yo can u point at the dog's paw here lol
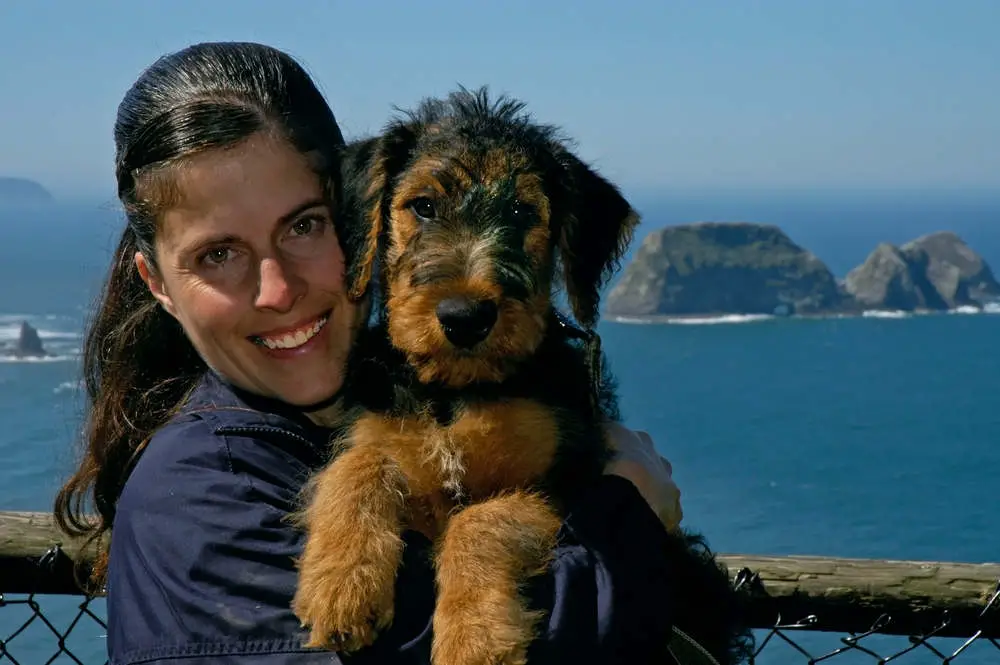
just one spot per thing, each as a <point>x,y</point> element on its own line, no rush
<point>490,550</point>
<point>344,609</point>
<point>487,632</point>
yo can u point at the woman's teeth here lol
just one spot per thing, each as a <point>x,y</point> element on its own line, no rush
<point>295,339</point>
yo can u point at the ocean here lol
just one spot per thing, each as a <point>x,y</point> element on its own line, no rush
<point>855,437</point>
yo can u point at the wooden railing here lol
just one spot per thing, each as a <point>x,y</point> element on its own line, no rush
<point>856,597</point>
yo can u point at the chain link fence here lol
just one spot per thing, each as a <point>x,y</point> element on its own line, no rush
<point>799,642</point>
<point>42,629</point>
<point>59,626</point>
<point>44,618</point>
<point>808,640</point>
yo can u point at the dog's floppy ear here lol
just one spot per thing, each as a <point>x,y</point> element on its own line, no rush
<point>596,229</point>
<point>368,170</point>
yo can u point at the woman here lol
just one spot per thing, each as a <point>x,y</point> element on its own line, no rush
<point>217,353</point>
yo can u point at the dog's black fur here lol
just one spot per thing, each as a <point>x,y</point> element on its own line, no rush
<point>586,238</point>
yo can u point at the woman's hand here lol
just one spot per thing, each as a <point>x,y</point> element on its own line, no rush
<point>636,459</point>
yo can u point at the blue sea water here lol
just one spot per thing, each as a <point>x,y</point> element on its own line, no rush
<point>864,437</point>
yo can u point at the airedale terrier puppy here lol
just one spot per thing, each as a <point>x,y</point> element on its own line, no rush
<point>474,410</point>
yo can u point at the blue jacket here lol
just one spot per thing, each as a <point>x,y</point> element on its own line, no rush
<point>201,561</point>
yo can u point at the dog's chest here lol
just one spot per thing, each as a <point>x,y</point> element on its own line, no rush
<point>485,447</point>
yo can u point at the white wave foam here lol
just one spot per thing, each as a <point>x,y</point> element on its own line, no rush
<point>44,359</point>
<point>885,314</point>
<point>68,386</point>
<point>716,320</point>
<point>693,320</point>
<point>11,333</point>
<point>631,320</point>
<point>965,310</point>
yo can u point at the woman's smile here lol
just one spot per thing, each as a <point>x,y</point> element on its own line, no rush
<point>294,338</point>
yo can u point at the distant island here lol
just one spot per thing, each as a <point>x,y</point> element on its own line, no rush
<point>707,269</point>
<point>21,190</point>
<point>934,272</point>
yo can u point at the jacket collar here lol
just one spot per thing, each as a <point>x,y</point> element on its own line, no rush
<point>216,393</point>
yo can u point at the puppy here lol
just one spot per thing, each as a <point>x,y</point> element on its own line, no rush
<point>473,409</point>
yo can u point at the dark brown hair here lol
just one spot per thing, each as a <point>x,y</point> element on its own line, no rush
<point>138,365</point>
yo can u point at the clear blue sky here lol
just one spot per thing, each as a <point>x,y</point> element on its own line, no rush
<point>658,93</point>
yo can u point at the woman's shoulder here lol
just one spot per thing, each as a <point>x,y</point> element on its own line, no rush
<point>202,553</point>
<point>217,440</point>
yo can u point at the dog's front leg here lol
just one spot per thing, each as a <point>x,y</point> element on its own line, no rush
<point>487,552</point>
<point>347,572</point>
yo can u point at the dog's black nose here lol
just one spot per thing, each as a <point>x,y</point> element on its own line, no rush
<point>466,322</point>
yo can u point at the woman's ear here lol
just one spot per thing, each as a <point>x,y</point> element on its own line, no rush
<point>154,282</point>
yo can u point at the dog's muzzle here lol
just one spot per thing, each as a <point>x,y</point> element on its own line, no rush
<point>466,322</point>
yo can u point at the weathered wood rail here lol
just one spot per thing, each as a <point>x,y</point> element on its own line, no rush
<point>843,595</point>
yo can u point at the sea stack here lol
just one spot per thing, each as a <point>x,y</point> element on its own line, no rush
<point>713,268</point>
<point>935,272</point>
<point>29,344</point>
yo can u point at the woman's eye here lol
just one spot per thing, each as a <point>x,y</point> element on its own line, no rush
<point>423,208</point>
<point>217,256</point>
<point>306,226</point>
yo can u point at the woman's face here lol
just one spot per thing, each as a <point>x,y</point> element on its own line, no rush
<point>248,262</point>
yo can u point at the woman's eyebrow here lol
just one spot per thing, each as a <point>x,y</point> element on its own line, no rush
<point>299,209</point>
<point>201,243</point>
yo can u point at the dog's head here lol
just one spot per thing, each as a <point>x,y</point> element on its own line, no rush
<point>475,214</point>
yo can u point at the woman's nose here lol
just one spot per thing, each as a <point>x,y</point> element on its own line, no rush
<point>279,287</point>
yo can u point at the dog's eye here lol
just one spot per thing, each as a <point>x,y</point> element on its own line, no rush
<point>522,211</point>
<point>423,208</point>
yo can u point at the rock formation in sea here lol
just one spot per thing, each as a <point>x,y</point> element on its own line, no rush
<point>891,280</point>
<point>959,274</point>
<point>28,344</point>
<point>714,268</point>
<point>938,271</point>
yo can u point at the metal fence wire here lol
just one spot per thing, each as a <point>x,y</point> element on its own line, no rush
<point>44,627</point>
<point>805,640</point>
<point>43,640</point>
<point>867,647</point>
<point>55,628</point>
